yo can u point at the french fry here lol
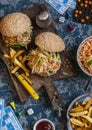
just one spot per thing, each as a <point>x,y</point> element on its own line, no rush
<point>88,125</point>
<point>82,128</point>
<point>86,129</point>
<point>84,103</point>
<point>12,52</point>
<point>77,104</point>
<point>88,118</point>
<point>90,111</point>
<point>89,103</point>
<point>6,56</point>
<point>27,74</point>
<point>23,59</point>
<point>21,65</point>
<point>20,58</point>
<point>79,128</point>
<point>77,114</point>
<point>17,67</point>
<point>77,109</point>
<point>18,53</point>
<point>84,120</point>
<point>14,70</point>
<point>73,126</point>
<point>77,122</point>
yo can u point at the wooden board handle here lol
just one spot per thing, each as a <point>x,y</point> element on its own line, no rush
<point>54,97</point>
<point>53,93</point>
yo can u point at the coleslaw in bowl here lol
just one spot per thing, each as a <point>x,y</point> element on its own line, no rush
<point>84,56</point>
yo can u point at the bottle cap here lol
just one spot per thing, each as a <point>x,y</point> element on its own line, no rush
<point>43,19</point>
<point>43,15</point>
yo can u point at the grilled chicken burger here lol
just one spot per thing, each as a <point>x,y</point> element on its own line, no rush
<point>16,29</point>
<point>45,59</point>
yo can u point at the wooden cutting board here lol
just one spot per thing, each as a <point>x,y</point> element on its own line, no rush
<point>47,82</point>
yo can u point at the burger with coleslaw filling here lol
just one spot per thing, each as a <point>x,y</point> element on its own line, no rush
<point>16,29</point>
<point>45,59</point>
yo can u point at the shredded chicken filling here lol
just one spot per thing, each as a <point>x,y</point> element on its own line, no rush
<point>25,38</point>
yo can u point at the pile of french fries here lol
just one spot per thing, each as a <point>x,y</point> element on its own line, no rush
<point>16,60</point>
<point>81,115</point>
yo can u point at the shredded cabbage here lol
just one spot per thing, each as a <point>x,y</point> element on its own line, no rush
<point>43,63</point>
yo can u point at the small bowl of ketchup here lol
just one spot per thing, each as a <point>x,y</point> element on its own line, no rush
<point>44,124</point>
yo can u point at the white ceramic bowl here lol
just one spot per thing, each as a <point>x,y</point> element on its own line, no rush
<point>80,48</point>
<point>78,99</point>
<point>43,120</point>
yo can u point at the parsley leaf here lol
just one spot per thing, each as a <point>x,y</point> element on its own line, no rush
<point>24,35</point>
<point>49,56</point>
<point>16,45</point>
<point>89,62</point>
<point>42,51</point>
<point>57,55</point>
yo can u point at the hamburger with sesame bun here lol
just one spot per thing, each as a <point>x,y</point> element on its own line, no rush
<point>45,59</point>
<point>16,29</point>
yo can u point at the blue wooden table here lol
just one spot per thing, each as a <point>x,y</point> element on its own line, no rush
<point>69,88</point>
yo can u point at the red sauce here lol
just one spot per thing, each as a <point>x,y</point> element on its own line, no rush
<point>44,125</point>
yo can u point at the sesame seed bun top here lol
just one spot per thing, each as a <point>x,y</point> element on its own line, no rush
<point>14,24</point>
<point>50,42</point>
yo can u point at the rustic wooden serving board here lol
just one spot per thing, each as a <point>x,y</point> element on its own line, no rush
<point>47,82</point>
